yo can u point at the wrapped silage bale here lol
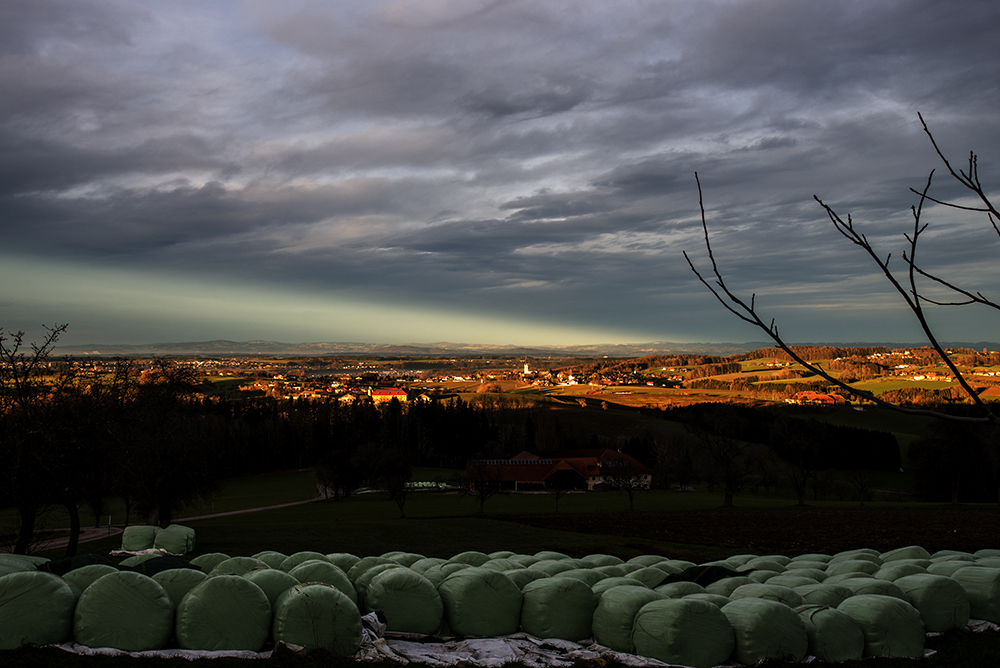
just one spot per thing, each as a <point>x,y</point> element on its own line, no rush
<point>614,571</point>
<point>891,626</point>
<point>587,575</point>
<point>552,567</point>
<point>407,558</point>
<point>524,559</point>
<point>852,566</point>
<point>501,554</point>
<point>812,556</point>
<point>551,554</point>
<point>317,570</point>
<point>208,561</point>
<point>762,576</point>
<point>124,610</point>
<point>862,553</point>
<point>226,612</point>
<point>471,557</point>
<point>596,560</point>
<point>988,562</point>
<point>715,599</point>
<point>726,586</point>
<point>646,559</point>
<point>615,614</point>
<point>768,592</point>
<point>949,568</point>
<point>522,576</point>
<point>679,564</point>
<point>177,582</point>
<point>833,635</point>
<point>188,533</point>
<point>238,566</point>
<point>895,570</point>
<point>817,574</point>
<point>823,594</point>
<point>363,565</point>
<point>986,552</point>
<point>942,602</point>
<point>174,539</point>
<point>608,583</point>
<point>853,575</point>
<point>558,608</point>
<point>911,552</point>
<point>682,631</point>
<point>272,558</point>
<point>650,576</point>
<point>12,564</point>
<point>680,589</point>
<point>480,602</point>
<point>501,565</point>
<point>410,603</point>
<point>272,582</point>
<point>983,587</point>
<point>135,560</point>
<point>744,559</point>
<point>32,559</point>
<point>952,555</point>
<point>83,577</point>
<point>762,564</point>
<point>791,581</point>
<point>343,560</point>
<point>862,586</point>
<point>798,564</point>
<point>425,564</point>
<point>138,537</point>
<point>437,574</point>
<point>766,630</point>
<point>317,616</point>
<point>361,582</point>
<point>297,558</point>
<point>36,608</point>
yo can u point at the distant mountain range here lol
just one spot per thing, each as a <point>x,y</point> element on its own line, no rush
<point>222,348</point>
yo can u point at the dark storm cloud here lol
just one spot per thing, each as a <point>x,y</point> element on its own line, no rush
<point>513,156</point>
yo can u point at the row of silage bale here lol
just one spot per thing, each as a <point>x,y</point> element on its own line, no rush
<point>175,539</point>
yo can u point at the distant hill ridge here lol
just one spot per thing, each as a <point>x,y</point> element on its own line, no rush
<point>278,348</point>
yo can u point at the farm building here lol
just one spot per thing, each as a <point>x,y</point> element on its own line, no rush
<point>560,469</point>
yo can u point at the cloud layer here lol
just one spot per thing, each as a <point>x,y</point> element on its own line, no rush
<point>497,171</point>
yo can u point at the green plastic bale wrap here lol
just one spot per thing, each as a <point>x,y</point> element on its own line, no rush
<point>316,570</point>
<point>645,560</point>
<point>524,559</point>
<point>471,557</point>
<point>501,554</point>
<point>911,552</point>
<point>177,582</point>
<point>11,564</point>
<point>438,574</point>
<point>861,586</point>
<point>522,576</point>
<point>407,558</point>
<point>986,552</point>
<point>615,613</point>
<point>680,589</point>
<point>894,571</point>
<point>677,564</point>
<point>225,612</point>
<point>207,562</point>
<point>479,602</point>
<point>614,571</point>
<point>761,564</point>
<point>683,631</point>
<point>949,568</point>
<point>552,567</point>
<point>852,566</point>
<point>791,581</point>
<point>272,582</point>
<point>551,554</point>
<point>983,587</point>
<point>189,534</point>
<point>427,563</point>
<point>135,560</point>
<point>862,553</point>
<point>172,539</point>
<point>124,610</point>
<point>714,599</point>
<point>588,575</point>
<point>500,564</point>
<point>294,560</point>
<point>596,560</point>
<point>891,626</point>
<point>272,558</point>
<point>343,560</point>
<point>361,582</point>
<point>363,565</point>
<point>410,603</point>
<point>139,537</point>
<point>824,594</point>
<point>608,583</point>
<point>238,566</point>
<point>853,575</point>
<point>766,630</point>
<point>36,608</point>
<point>812,556</point>
<point>83,577</point>
<point>942,602</point>
<point>988,562</point>
<point>728,585</point>
<point>799,564</point>
<point>558,607</point>
<point>768,592</point>
<point>318,616</point>
<point>762,576</point>
<point>744,559</point>
<point>817,574</point>
<point>650,576</point>
<point>946,555</point>
<point>833,635</point>
<point>32,559</point>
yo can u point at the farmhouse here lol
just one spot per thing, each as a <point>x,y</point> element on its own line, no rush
<point>560,469</point>
<point>809,397</point>
<point>386,394</point>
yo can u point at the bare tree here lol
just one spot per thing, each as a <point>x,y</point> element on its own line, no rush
<point>628,476</point>
<point>483,481</point>
<point>913,286</point>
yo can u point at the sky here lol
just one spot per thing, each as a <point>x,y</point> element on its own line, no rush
<point>479,171</point>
